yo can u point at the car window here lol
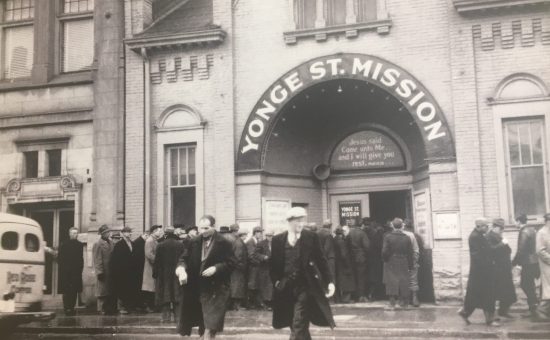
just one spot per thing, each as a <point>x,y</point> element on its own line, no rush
<point>31,243</point>
<point>10,240</point>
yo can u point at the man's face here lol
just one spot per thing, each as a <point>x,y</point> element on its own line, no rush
<point>497,229</point>
<point>126,234</point>
<point>345,229</point>
<point>268,237</point>
<point>193,232</point>
<point>158,232</point>
<point>258,235</point>
<point>205,229</point>
<point>73,234</point>
<point>243,237</point>
<point>106,235</point>
<point>484,228</point>
<point>145,236</point>
<point>296,225</point>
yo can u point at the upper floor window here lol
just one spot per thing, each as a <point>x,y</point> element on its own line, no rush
<point>53,157</point>
<point>17,37</point>
<point>77,26</point>
<point>31,164</point>
<point>333,12</point>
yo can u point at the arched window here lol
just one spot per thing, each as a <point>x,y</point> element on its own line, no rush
<point>179,116</point>
<point>520,86</point>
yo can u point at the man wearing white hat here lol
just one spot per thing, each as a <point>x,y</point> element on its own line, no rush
<point>302,279</point>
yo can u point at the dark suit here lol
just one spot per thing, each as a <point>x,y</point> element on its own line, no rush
<point>295,305</point>
<point>71,263</point>
<point>526,257</point>
<point>327,246</point>
<point>204,299</point>
<point>125,274</point>
<point>359,244</point>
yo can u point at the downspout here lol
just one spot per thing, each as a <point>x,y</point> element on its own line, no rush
<point>146,140</point>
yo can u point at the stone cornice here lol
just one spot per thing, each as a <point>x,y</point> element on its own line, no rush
<point>471,6</point>
<point>175,41</point>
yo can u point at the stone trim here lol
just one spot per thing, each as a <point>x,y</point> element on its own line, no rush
<point>183,67</point>
<point>348,30</point>
<point>521,33</point>
<point>473,6</point>
<point>66,79</point>
<point>177,41</point>
<point>46,118</point>
<point>30,190</point>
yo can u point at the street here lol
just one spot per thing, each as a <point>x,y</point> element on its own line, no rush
<point>355,321</point>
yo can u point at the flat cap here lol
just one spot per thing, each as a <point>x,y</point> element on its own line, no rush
<point>499,222</point>
<point>234,227</point>
<point>126,229</point>
<point>103,229</point>
<point>224,229</point>
<point>169,229</point>
<point>482,221</point>
<point>296,212</point>
<point>257,229</point>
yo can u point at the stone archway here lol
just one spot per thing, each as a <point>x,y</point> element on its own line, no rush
<point>394,80</point>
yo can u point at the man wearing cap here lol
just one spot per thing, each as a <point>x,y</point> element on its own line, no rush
<point>256,257</point>
<point>479,288</point>
<point>543,252</point>
<point>164,271</point>
<point>238,276</point>
<point>125,272</point>
<point>301,277</point>
<point>101,252</point>
<point>526,258</point>
<point>204,270</point>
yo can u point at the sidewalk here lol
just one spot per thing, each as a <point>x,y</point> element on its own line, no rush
<point>356,321</point>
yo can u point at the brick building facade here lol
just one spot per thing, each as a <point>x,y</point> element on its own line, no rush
<point>436,111</point>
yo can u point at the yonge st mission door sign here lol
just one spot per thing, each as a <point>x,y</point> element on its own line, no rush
<point>381,73</point>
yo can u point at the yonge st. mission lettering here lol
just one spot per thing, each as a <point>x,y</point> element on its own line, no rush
<point>373,70</point>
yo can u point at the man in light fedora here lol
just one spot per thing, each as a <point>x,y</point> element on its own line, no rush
<point>301,277</point>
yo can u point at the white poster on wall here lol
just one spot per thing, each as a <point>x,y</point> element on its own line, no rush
<point>446,225</point>
<point>274,214</point>
<point>422,216</point>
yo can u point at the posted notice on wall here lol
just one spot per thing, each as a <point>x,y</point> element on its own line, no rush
<point>274,214</point>
<point>349,212</point>
<point>422,217</point>
<point>446,225</point>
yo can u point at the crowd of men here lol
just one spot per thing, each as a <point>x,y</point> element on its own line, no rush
<point>364,262</point>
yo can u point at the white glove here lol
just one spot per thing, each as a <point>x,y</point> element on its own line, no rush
<point>209,271</point>
<point>331,290</point>
<point>504,241</point>
<point>182,275</point>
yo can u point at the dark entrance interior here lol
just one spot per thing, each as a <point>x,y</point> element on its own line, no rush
<point>386,205</point>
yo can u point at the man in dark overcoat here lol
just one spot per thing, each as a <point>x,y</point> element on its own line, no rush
<point>125,272</point>
<point>266,286</point>
<point>345,280</point>
<point>71,262</point>
<point>327,245</point>
<point>526,258</point>
<point>359,244</point>
<point>479,291</point>
<point>397,253</point>
<point>301,278</point>
<point>238,276</point>
<point>375,233</point>
<point>204,270</point>
<point>164,271</point>
<point>102,253</point>
<point>256,258</point>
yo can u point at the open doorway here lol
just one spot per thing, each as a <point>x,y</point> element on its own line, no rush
<point>386,205</point>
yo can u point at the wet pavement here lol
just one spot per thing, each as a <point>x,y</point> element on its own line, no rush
<point>355,321</point>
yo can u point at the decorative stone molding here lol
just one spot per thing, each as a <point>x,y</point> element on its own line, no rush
<point>348,30</point>
<point>183,67</point>
<point>524,33</point>
<point>184,40</point>
<point>474,6</point>
<point>29,190</point>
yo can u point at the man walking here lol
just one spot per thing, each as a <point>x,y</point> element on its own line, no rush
<point>543,252</point>
<point>397,252</point>
<point>71,263</point>
<point>479,291</point>
<point>101,252</point>
<point>359,248</point>
<point>164,271</point>
<point>301,277</point>
<point>204,270</point>
<point>526,258</point>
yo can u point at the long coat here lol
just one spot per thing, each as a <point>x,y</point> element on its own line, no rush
<point>359,245</point>
<point>71,263</point>
<point>374,255</point>
<point>238,276</point>
<point>504,290</point>
<point>314,267</point>
<point>164,270</point>
<point>204,299</point>
<point>256,257</point>
<point>266,286</point>
<point>345,281</point>
<point>397,252</point>
<point>327,245</point>
<point>148,283</point>
<point>543,251</point>
<point>102,251</point>
<point>479,288</point>
<point>139,253</point>
<point>124,272</point>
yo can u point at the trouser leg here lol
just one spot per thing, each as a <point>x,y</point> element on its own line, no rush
<point>166,312</point>
<point>299,329</point>
<point>69,300</point>
<point>361,279</point>
<point>527,284</point>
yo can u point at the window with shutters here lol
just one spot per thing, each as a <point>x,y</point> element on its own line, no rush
<point>17,38</point>
<point>181,183</point>
<point>77,35</point>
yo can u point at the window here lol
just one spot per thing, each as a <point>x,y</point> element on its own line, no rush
<point>334,12</point>
<point>305,13</point>
<point>366,10</point>
<point>10,240</point>
<point>31,164</point>
<point>54,162</point>
<point>524,140</point>
<point>31,243</point>
<point>17,38</point>
<point>77,25</point>
<point>182,178</point>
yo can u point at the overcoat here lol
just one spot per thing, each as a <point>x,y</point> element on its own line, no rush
<point>255,259</point>
<point>526,253</point>
<point>327,245</point>
<point>503,289</point>
<point>238,275</point>
<point>345,281</point>
<point>374,254</point>
<point>101,252</point>
<point>359,245</point>
<point>164,270</point>
<point>204,299</point>
<point>397,253</point>
<point>543,251</point>
<point>148,283</point>
<point>71,263</point>
<point>139,253</point>
<point>479,287</point>
<point>124,272</point>
<point>314,267</point>
<point>266,286</point>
